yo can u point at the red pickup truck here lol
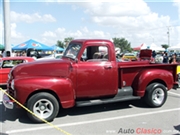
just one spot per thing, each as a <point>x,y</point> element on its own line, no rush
<point>86,76</point>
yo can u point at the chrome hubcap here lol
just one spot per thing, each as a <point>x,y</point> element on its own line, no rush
<point>43,108</point>
<point>158,96</point>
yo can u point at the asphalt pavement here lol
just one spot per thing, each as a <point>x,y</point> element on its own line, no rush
<point>123,118</point>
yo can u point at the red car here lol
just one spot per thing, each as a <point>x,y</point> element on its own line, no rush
<point>7,63</point>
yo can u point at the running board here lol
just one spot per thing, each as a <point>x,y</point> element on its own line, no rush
<point>125,94</point>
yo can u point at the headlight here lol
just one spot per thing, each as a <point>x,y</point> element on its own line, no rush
<point>12,84</point>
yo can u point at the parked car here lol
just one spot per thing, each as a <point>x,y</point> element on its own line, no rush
<point>7,63</point>
<point>129,56</point>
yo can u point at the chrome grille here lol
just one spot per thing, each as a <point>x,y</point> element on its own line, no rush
<point>10,90</point>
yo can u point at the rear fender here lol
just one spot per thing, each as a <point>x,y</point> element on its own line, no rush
<point>144,78</point>
<point>62,87</point>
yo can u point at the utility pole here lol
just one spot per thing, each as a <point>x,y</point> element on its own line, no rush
<point>168,36</point>
<point>7,28</point>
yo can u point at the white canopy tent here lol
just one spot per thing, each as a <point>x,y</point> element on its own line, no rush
<point>144,46</point>
<point>152,47</point>
<point>156,48</point>
<point>176,47</point>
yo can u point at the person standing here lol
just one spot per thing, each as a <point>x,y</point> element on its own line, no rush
<point>153,53</point>
<point>165,58</point>
<point>173,61</point>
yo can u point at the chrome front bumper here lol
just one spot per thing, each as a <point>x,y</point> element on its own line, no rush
<point>8,103</point>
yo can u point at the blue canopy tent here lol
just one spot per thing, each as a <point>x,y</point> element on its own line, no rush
<point>57,48</point>
<point>32,44</point>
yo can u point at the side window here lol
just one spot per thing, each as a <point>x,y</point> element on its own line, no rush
<point>11,63</point>
<point>95,53</point>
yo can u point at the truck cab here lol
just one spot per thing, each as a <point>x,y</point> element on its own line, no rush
<point>93,59</point>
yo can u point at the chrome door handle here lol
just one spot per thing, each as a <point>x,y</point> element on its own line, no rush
<point>107,67</point>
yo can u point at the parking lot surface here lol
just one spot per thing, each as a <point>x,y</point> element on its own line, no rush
<point>123,118</point>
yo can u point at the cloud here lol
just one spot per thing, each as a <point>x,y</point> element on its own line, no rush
<point>116,8</point>
<point>31,18</point>
<point>49,34</point>
<point>60,30</point>
<point>133,20</point>
<point>124,14</point>
<point>61,33</point>
<point>14,33</point>
<point>177,29</point>
<point>15,36</point>
<point>177,4</point>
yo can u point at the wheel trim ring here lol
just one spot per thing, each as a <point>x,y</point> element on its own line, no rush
<point>158,96</point>
<point>43,113</point>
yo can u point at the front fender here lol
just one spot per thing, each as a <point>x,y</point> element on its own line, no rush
<point>144,77</point>
<point>62,87</point>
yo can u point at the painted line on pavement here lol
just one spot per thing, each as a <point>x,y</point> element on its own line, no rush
<point>32,113</point>
<point>174,93</point>
<point>94,121</point>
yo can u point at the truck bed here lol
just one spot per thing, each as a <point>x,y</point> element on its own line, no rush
<point>128,71</point>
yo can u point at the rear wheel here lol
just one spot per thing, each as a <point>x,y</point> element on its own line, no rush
<point>156,95</point>
<point>43,105</point>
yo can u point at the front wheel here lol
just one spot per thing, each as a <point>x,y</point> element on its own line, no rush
<point>156,95</point>
<point>43,105</point>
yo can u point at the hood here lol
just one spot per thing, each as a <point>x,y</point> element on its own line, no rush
<point>145,53</point>
<point>55,68</point>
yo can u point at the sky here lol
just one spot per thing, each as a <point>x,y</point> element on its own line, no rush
<point>138,21</point>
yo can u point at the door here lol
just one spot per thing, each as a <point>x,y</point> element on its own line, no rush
<point>96,77</point>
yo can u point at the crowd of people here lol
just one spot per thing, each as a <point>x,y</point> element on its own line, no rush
<point>172,58</point>
<point>13,53</point>
<point>28,53</point>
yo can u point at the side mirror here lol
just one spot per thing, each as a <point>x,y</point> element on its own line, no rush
<point>76,60</point>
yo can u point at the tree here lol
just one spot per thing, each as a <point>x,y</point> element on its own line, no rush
<point>67,40</point>
<point>60,44</point>
<point>165,46</point>
<point>123,44</point>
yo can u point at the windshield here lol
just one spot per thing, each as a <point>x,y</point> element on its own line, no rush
<point>72,50</point>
